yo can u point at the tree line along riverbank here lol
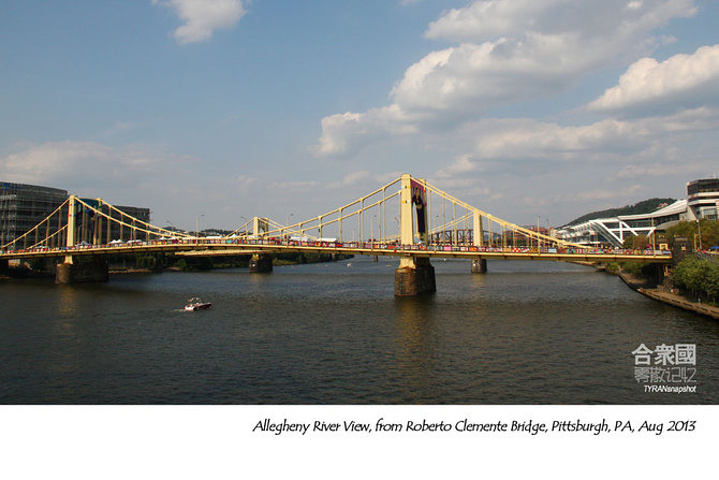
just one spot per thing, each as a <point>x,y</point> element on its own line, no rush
<point>692,284</point>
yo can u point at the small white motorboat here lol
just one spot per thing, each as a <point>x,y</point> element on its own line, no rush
<point>196,304</point>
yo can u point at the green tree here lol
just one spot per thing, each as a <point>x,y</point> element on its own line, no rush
<point>698,276</point>
<point>709,232</point>
<point>681,229</point>
<point>148,261</point>
<point>182,265</point>
<point>640,241</point>
<point>711,282</point>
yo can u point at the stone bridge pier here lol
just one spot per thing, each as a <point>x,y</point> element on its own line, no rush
<point>479,265</point>
<point>415,276</point>
<point>261,263</point>
<point>82,271</point>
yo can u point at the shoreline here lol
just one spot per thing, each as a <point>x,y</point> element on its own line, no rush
<point>680,301</point>
<point>667,297</point>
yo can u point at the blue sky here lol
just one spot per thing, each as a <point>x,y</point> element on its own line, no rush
<point>230,108</point>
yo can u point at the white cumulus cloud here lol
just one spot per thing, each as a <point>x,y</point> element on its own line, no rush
<point>674,82</point>
<point>472,78</point>
<point>344,133</point>
<point>202,17</point>
<point>80,166</point>
<point>494,145</point>
<point>483,20</point>
<point>509,51</point>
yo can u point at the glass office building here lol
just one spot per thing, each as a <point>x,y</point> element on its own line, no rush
<point>24,206</point>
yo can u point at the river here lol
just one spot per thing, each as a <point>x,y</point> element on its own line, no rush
<point>333,333</point>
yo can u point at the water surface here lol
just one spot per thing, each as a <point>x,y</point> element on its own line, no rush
<point>525,333</point>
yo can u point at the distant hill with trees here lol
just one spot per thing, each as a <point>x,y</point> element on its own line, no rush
<point>645,206</point>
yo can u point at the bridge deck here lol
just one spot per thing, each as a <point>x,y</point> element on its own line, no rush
<point>211,248</point>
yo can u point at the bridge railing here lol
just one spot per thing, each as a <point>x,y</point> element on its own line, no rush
<point>387,248</point>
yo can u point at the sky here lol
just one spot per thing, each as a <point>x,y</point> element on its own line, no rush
<point>214,111</point>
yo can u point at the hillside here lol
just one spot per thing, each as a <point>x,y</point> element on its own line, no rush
<point>645,206</point>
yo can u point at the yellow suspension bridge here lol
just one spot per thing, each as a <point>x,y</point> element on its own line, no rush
<point>407,218</point>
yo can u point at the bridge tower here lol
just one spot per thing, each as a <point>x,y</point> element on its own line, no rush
<point>415,275</point>
<point>260,262</point>
<point>71,226</point>
<point>95,270</point>
<point>479,265</point>
<point>259,225</point>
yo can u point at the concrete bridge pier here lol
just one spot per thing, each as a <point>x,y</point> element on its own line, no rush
<point>86,271</point>
<point>415,276</point>
<point>655,273</point>
<point>261,263</point>
<point>479,265</point>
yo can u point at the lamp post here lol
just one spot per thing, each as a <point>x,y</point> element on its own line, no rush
<point>287,222</point>
<point>244,224</point>
<point>538,219</point>
<point>438,233</point>
<point>699,226</point>
<point>197,225</point>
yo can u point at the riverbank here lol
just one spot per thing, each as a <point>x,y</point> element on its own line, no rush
<point>662,294</point>
<point>680,301</point>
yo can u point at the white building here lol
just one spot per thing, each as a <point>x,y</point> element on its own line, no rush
<point>702,202</point>
<point>703,199</point>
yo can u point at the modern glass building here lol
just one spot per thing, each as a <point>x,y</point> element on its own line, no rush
<point>24,206</point>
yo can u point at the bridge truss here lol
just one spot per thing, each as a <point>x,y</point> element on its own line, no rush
<point>406,211</point>
<point>407,216</point>
<point>85,223</point>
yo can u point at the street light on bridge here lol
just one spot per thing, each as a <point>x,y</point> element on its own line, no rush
<point>287,219</point>
<point>197,225</point>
